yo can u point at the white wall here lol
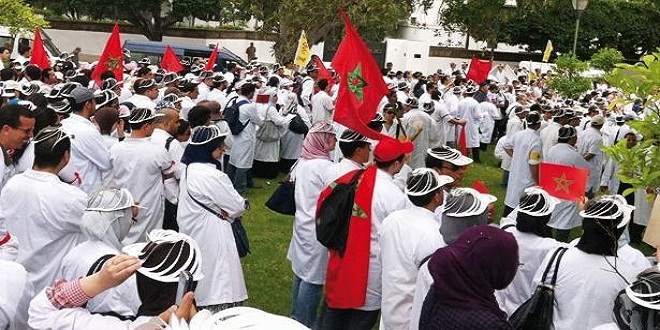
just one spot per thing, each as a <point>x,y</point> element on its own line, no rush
<point>92,43</point>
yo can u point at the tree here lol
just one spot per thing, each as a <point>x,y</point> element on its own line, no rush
<point>639,165</point>
<point>567,80</point>
<point>629,26</point>
<point>606,59</point>
<point>19,17</point>
<point>152,17</point>
<point>375,20</point>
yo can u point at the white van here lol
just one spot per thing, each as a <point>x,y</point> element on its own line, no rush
<point>12,42</point>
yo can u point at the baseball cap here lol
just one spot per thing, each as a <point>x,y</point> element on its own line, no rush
<point>81,94</point>
<point>389,149</point>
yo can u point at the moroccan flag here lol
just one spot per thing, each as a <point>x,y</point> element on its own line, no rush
<point>561,181</point>
<point>212,59</point>
<point>323,71</point>
<point>39,55</point>
<point>112,58</point>
<point>361,86</point>
<point>302,52</point>
<point>548,51</point>
<point>479,70</point>
<point>170,62</point>
<point>346,277</point>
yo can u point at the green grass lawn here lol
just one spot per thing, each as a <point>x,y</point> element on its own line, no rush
<point>268,272</point>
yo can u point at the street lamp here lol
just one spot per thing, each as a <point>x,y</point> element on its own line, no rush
<point>579,6</point>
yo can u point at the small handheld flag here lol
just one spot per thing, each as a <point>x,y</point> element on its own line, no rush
<point>170,62</point>
<point>565,182</point>
<point>548,51</point>
<point>39,55</point>
<point>212,59</point>
<point>303,53</point>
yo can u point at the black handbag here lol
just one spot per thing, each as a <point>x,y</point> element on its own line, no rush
<point>240,234</point>
<point>536,312</point>
<point>297,125</point>
<point>282,200</point>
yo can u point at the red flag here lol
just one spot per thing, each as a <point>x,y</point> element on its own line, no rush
<point>112,58</point>
<point>323,71</point>
<point>170,62</point>
<point>561,181</point>
<point>462,141</point>
<point>39,55</point>
<point>361,87</point>
<point>212,59</point>
<point>347,276</point>
<point>479,70</point>
<point>480,186</point>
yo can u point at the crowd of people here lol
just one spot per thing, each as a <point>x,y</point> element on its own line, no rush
<point>115,190</point>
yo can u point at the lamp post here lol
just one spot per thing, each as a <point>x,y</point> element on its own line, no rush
<point>579,6</point>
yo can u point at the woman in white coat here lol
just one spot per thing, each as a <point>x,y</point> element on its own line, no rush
<point>308,257</point>
<point>109,215</point>
<point>291,142</point>
<point>208,204</point>
<point>273,127</point>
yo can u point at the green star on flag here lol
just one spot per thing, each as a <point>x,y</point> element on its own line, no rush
<point>356,83</point>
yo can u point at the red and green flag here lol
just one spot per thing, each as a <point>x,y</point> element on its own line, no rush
<point>112,58</point>
<point>361,85</point>
<point>561,181</point>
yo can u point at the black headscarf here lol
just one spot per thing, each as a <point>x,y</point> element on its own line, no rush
<point>202,153</point>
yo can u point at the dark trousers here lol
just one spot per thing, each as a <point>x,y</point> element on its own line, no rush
<point>169,220</point>
<point>348,319</point>
<point>286,164</point>
<point>265,170</point>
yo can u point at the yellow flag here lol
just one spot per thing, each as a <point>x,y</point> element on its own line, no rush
<point>303,54</point>
<point>548,51</point>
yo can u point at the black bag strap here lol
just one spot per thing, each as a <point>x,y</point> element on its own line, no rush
<point>505,227</point>
<point>212,211</point>
<point>425,259</point>
<point>168,142</point>
<point>554,276</point>
<point>550,264</point>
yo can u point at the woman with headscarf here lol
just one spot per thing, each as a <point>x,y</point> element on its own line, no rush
<point>465,276</point>
<point>107,219</point>
<point>591,274</point>
<point>274,125</point>
<point>308,257</point>
<point>208,204</point>
<point>156,264</point>
<point>534,237</point>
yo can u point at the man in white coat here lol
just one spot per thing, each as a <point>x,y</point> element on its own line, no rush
<point>323,106</point>
<point>420,129</point>
<point>43,214</point>
<point>468,110</point>
<point>525,150</point>
<point>90,157</point>
<point>146,91</point>
<point>589,145</point>
<point>141,166</point>
<point>406,238</point>
<point>566,217</point>
<point>550,133</point>
<point>356,150</point>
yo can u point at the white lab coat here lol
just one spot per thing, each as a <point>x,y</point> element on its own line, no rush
<point>323,107</point>
<point>89,155</point>
<point>468,109</point>
<point>489,113</point>
<point>139,165</point>
<point>290,142</point>
<point>514,125</point>
<point>223,276</point>
<point>565,215</point>
<point>309,259</point>
<point>417,120</point>
<point>203,92</point>
<point>441,117</point>
<point>406,238</point>
<point>422,287</point>
<point>13,278</point>
<point>339,169</point>
<point>122,299</point>
<point>526,147</point>
<point>590,141</point>
<point>387,199</point>
<point>501,154</point>
<point>549,136</point>
<point>270,151</point>
<point>586,288</point>
<point>532,249</point>
<point>186,104</point>
<point>451,100</point>
<point>242,150</point>
<point>217,96</point>
<point>45,316</point>
<point>44,215</point>
<point>307,92</point>
<point>141,101</point>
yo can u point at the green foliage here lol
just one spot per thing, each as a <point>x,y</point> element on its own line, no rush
<point>19,17</point>
<point>640,165</point>
<point>606,58</point>
<point>629,26</point>
<point>568,82</point>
